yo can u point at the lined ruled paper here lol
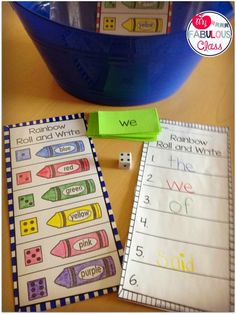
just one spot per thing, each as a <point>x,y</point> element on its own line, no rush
<point>179,253</point>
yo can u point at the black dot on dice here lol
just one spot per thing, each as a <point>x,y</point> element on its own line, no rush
<point>38,259</point>
<point>31,221</point>
<point>124,165</point>
<point>28,252</point>
<point>40,282</point>
<point>26,201</point>
<point>122,159</point>
<point>22,198</point>
<point>33,255</point>
<point>28,261</point>
<point>121,154</point>
<point>33,295</point>
<point>20,176</point>
<point>32,229</point>
<point>37,250</point>
<point>33,290</point>
<point>41,287</point>
<point>23,154</point>
<point>41,293</point>
<point>128,154</point>
<point>25,230</point>
<point>32,284</point>
<point>25,223</point>
<point>127,159</point>
<point>30,203</point>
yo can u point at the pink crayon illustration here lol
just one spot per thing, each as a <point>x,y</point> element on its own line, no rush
<point>82,244</point>
<point>87,272</point>
<point>64,168</point>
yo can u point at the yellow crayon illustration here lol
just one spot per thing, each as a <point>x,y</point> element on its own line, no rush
<point>144,25</point>
<point>74,216</point>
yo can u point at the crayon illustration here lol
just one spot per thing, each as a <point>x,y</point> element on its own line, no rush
<point>143,25</point>
<point>37,289</point>
<point>64,168</point>
<point>61,149</point>
<point>144,4</point>
<point>74,216</point>
<point>66,191</point>
<point>85,243</point>
<point>87,272</point>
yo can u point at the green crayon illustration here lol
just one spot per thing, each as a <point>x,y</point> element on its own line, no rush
<point>70,190</point>
<point>144,4</point>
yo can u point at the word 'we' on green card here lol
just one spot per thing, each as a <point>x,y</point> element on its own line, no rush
<point>128,122</point>
<point>136,125</point>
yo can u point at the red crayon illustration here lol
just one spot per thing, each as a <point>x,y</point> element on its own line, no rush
<point>81,244</point>
<point>64,168</point>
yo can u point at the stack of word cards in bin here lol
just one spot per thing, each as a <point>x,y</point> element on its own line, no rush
<point>180,250</point>
<point>134,18</point>
<point>64,242</point>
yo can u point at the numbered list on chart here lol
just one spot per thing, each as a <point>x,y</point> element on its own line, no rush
<point>178,247</point>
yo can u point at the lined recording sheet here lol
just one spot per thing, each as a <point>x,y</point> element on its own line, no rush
<point>180,249</point>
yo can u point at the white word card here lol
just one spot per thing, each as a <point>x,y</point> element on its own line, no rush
<point>180,249</point>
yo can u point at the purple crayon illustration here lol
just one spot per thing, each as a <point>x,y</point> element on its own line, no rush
<point>87,272</point>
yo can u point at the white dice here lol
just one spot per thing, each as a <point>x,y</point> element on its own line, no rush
<point>125,160</point>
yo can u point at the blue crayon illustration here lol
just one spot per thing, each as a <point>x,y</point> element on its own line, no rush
<point>61,149</point>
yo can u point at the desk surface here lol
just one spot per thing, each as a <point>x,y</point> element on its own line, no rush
<point>30,92</point>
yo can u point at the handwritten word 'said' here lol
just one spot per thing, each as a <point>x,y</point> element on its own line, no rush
<point>180,256</point>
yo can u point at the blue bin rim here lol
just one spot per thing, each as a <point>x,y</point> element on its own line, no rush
<point>93,33</point>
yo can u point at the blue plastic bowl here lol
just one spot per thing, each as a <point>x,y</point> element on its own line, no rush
<point>112,69</point>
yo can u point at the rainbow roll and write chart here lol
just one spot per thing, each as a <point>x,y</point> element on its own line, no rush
<point>65,245</point>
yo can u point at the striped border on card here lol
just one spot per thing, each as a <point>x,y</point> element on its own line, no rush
<point>98,16</point>
<point>165,304</point>
<point>108,204</point>
<point>43,306</point>
<point>169,18</point>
